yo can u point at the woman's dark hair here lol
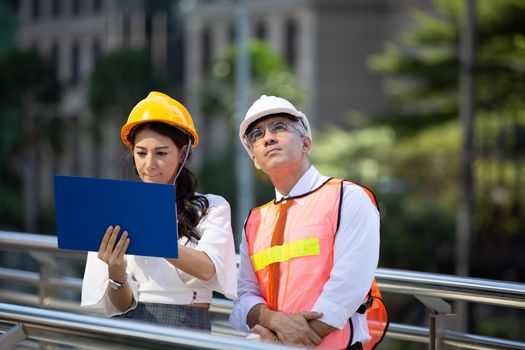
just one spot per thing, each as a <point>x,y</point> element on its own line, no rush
<point>191,207</point>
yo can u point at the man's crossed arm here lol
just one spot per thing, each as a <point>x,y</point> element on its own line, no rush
<point>302,328</point>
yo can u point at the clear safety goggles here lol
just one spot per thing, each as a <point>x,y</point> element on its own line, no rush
<point>274,127</point>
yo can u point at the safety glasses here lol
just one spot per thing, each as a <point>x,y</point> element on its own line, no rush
<point>275,128</point>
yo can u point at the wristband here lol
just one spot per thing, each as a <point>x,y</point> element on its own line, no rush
<point>117,285</point>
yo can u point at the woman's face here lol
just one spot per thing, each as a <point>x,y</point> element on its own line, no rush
<point>156,157</point>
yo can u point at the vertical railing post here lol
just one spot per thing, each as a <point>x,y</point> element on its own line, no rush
<point>441,318</point>
<point>47,266</point>
<point>13,336</point>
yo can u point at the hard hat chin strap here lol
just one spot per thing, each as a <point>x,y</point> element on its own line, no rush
<point>183,163</point>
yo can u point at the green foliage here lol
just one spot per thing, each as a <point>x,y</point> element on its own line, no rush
<point>503,326</point>
<point>223,182</point>
<point>424,68</point>
<point>270,75</point>
<point>25,75</point>
<point>7,25</point>
<point>11,208</point>
<point>407,176</point>
<point>27,89</point>
<point>9,134</point>
<point>410,154</point>
<point>121,79</point>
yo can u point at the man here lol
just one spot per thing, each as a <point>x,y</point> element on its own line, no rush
<point>308,258</point>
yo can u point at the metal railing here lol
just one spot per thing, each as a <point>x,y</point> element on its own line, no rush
<point>470,289</point>
<point>92,332</point>
<point>431,289</point>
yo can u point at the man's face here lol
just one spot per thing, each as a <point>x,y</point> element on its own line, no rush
<point>280,146</point>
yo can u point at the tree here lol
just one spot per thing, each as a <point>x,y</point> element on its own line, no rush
<point>410,153</point>
<point>424,87</point>
<point>7,25</point>
<point>28,93</point>
<point>424,67</point>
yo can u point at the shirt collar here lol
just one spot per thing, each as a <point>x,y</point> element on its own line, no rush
<point>310,180</point>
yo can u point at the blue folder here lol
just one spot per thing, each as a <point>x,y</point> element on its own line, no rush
<point>85,207</point>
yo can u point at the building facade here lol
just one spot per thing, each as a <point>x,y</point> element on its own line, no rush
<point>73,35</point>
<point>326,42</point>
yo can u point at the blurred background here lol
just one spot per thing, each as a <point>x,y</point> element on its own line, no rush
<point>422,101</point>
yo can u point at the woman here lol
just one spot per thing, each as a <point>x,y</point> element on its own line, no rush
<point>160,135</point>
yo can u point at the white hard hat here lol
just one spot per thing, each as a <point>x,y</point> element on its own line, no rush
<point>268,105</point>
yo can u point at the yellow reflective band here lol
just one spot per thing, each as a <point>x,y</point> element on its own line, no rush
<point>285,252</point>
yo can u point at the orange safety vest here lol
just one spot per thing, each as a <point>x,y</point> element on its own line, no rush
<point>306,258</point>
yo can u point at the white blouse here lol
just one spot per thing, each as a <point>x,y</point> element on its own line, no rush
<point>155,280</point>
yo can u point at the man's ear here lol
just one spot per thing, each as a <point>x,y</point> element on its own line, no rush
<point>307,144</point>
<point>255,163</point>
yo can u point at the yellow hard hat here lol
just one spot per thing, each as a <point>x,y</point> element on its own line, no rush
<point>159,107</point>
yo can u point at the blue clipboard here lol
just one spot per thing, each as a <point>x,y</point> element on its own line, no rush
<point>85,207</point>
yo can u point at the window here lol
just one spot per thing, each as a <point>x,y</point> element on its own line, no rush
<point>75,63</point>
<point>260,30</point>
<point>231,33</point>
<point>35,10</point>
<point>206,50</point>
<point>148,33</point>
<point>97,51</point>
<point>125,30</point>
<point>75,7</point>
<point>54,57</point>
<point>290,42</point>
<point>56,8</point>
<point>97,6</point>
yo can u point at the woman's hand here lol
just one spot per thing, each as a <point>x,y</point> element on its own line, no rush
<point>112,253</point>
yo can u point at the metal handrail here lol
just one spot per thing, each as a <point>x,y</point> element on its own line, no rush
<point>471,341</point>
<point>470,289</point>
<point>452,287</point>
<point>45,324</point>
<point>28,241</point>
<point>389,280</point>
<point>452,338</point>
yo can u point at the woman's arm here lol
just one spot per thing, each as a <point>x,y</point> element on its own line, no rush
<point>212,261</point>
<point>194,262</point>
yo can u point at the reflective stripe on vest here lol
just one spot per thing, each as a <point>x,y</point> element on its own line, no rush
<point>285,252</point>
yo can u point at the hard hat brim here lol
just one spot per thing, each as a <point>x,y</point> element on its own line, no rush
<point>127,129</point>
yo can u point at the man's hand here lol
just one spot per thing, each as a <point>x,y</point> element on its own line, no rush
<point>266,335</point>
<point>291,329</point>
<point>321,328</point>
<point>294,329</point>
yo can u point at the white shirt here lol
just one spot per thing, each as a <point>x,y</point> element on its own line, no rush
<point>356,255</point>
<point>155,280</point>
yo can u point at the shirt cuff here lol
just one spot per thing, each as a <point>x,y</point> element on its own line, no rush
<point>133,285</point>
<point>241,309</point>
<point>334,315</point>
